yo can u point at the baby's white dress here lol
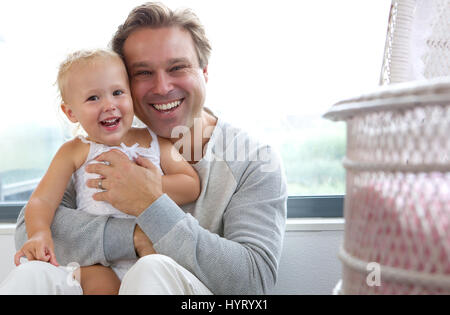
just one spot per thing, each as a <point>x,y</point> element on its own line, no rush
<point>86,203</point>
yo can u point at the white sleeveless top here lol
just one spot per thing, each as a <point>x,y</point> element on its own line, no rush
<point>85,202</point>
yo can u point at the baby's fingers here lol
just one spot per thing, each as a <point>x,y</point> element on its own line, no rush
<point>41,253</point>
<point>52,259</point>
<point>23,252</point>
<point>29,254</point>
<point>17,257</point>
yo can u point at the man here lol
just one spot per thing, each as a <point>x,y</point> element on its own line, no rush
<point>229,241</point>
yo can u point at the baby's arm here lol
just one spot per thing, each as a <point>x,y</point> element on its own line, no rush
<point>180,181</point>
<point>44,201</point>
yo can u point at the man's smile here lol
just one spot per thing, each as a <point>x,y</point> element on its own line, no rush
<point>167,107</point>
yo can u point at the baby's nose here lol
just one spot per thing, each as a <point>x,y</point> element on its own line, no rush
<point>109,107</point>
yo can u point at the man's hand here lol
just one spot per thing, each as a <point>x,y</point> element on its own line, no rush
<point>142,243</point>
<point>129,187</point>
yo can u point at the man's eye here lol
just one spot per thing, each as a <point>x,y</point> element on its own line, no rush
<point>93,98</point>
<point>142,73</point>
<point>176,68</point>
<point>117,92</point>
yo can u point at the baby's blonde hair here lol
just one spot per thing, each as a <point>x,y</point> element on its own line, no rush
<point>76,58</point>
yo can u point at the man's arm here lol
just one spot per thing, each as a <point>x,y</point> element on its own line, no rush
<point>82,238</point>
<point>245,260</point>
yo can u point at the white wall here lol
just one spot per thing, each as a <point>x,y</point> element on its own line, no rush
<point>7,252</point>
<point>309,263</point>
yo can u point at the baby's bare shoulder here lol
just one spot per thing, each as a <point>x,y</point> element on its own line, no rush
<point>77,150</point>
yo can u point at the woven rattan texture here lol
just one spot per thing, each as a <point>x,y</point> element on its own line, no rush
<point>399,219</point>
<point>410,137</point>
<point>437,58</point>
<point>397,203</point>
<point>402,41</point>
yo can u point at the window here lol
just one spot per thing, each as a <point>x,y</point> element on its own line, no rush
<point>275,69</point>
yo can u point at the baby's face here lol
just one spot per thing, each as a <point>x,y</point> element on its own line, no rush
<point>98,97</point>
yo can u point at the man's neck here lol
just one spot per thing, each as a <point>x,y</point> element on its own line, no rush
<point>197,138</point>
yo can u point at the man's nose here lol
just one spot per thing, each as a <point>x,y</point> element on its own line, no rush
<point>162,84</point>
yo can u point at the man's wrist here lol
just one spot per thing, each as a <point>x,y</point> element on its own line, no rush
<point>160,218</point>
<point>147,204</point>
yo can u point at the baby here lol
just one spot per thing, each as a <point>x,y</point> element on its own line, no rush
<point>95,93</point>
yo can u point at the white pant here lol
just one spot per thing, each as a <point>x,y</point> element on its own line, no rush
<point>152,274</point>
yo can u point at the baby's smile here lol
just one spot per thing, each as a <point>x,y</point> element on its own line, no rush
<point>111,123</point>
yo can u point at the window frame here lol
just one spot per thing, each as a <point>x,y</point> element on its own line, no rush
<point>9,211</point>
<point>327,206</point>
<point>298,207</point>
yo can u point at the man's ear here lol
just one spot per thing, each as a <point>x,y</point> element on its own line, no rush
<point>70,115</point>
<point>205,73</point>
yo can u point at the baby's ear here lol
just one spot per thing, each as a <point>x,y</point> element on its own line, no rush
<point>66,109</point>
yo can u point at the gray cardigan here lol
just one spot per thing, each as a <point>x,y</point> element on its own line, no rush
<point>230,238</point>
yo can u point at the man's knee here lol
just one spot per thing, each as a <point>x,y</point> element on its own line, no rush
<point>33,271</point>
<point>154,274</point>
<point>154,267</point>
<point>159,274</point>
<point>154,262</point>
<point>28,278</point>
<point>36,277</point>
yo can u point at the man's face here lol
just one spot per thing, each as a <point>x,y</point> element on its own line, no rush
<point>167,83</point>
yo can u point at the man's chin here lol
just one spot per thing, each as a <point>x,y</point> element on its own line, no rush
<point>170,128</point>
<point>168,132</point>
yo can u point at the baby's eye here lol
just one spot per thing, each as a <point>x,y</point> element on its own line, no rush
<point>93,98</point>
<point>117,92</point>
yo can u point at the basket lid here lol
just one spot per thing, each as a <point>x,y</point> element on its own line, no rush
<point>393,97</point>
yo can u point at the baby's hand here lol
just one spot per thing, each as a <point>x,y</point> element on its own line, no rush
<point>38,247</point>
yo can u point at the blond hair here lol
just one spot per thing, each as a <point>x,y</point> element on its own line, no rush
<point>76,58</point>
<point>157,15</point>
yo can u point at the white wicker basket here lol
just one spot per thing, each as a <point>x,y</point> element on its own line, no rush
<point>417,42</point>
<point>397,204</point>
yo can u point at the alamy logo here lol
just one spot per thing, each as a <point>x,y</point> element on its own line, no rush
<point>374,276</point>
<point>74,275</point>
<point>230,145</point>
